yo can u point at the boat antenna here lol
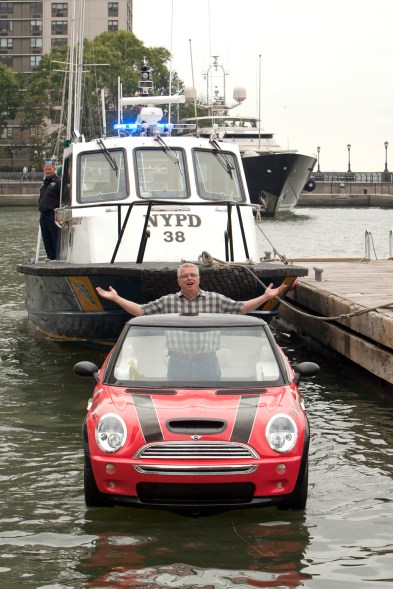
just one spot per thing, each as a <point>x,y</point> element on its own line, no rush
<point>71,72</point>
<point>259,104</point>
<point>79,68</point>
<point>193,84</point>
<point>170,72</point>
<point>210,38</point>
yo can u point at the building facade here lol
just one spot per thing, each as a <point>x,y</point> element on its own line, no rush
<point>30,29</point>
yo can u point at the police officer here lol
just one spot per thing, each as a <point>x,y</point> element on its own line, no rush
<point>48,202</point>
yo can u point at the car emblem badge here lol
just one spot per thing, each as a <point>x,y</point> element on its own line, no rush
<point>196,437</point>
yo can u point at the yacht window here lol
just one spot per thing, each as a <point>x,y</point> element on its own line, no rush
<point>161,173</point>
<point>102,176</point>
<point>217,176</point>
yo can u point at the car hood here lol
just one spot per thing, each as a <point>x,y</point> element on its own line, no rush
<point>170,414</point>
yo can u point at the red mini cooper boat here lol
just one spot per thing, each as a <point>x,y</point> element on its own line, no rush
<point>196,413</point>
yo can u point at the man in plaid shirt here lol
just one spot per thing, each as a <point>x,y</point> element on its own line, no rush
<point>191,298</point>
<point>192,355</point>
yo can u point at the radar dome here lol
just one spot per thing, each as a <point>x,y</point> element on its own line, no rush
<point>239,94</point>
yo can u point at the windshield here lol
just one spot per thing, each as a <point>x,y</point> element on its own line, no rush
<point>160,173</point>
<point>217,175</point>
<point>235,355</point>
<point>102,177</point>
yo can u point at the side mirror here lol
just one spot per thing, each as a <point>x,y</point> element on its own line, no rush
<point>87,369</point>
<point>304,369</point>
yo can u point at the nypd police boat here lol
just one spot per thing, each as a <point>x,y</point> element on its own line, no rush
<point>133,206</point>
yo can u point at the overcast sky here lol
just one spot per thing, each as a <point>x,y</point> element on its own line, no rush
<point>326,67</point>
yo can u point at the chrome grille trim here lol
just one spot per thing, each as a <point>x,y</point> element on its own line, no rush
<point>193,470</point>
<point>196,450</point>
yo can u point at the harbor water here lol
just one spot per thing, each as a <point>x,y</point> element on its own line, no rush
<point>49,540</point>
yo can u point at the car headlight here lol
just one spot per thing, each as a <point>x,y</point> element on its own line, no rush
<point>111,432</point>
<point>281,433</point>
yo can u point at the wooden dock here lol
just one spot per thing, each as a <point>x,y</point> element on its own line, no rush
<point>347,287</point>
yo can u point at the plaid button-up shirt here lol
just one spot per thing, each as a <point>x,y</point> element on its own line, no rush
<point>205,302</point>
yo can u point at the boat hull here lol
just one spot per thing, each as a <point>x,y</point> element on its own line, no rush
<point>277,180</point>
<point>63,305</point>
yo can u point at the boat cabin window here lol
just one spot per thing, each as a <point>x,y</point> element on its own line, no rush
<point>160,173</point>
<point>66,186</point>
<point>217,176</point>
<point>102,176</point>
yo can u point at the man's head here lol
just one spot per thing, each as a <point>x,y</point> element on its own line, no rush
<point>49,169</point>
<point>188,279</point>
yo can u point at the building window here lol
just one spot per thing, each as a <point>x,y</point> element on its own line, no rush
<point>6,60</point>
<point>59,27</point>
<point>35,61</point>
<point>6,8</point>
<point>36,27</point>
<point>36,44</point>
<point>36,9</point>
<point>113,25</point>
<point>5,26</point>
<point>7,133</point>
<point>59,9</point>
<point>59,41</point>
<point>113,9</point>
<point>6,44</point>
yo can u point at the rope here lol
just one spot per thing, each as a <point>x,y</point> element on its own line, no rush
<point>208,260</point>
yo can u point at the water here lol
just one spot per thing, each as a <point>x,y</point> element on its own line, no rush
<point>49,540</point>
<point>323,232</point>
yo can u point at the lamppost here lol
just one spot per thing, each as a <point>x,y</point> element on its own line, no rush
<point>318,150</point>
<point>386,144</point>
<point>386,176</point>
<point>349,158</point>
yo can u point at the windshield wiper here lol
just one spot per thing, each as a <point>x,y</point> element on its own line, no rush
<point>222,158</point>
<point>108,156</point>
<point>171,154</point>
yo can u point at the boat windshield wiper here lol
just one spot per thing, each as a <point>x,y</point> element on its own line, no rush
<point>108,156</point>
<point>171,154</point>
<point>222,158</point>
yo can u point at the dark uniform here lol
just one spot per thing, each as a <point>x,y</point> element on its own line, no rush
<point>49,201</point>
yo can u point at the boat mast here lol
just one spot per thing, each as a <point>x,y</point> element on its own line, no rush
<point>79,67</point>
<point>71,72</point>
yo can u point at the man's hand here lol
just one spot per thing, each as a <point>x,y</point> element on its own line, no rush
<point>271,292</point>
<point>110,294</point>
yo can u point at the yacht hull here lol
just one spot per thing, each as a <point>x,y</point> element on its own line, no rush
<point>276,180</point>
<point>63,305</point>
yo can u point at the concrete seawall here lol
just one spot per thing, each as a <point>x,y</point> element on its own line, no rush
<point>325,195</point>
<point>346,200</point>
<point>349,194</point>
<point>19,194</point>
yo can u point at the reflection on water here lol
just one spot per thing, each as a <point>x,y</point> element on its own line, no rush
<point>49,540</point>
<point>151,549</point>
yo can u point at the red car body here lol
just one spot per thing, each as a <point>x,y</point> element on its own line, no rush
<point>195,442</point>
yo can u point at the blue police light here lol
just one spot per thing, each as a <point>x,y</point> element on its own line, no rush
<point>126,126</point>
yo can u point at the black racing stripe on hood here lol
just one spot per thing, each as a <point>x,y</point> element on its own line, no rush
<point>245,418</point>
<point>148,420</point>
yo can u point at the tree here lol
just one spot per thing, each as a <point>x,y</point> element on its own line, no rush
<point>9,95</point>
<point>107,57</point>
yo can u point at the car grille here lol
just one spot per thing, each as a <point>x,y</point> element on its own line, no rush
<point>196,451</point>
<point>188,452</point>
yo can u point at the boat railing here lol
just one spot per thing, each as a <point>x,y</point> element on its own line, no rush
<point>122,224</point>
<point>368,242</point>
<point>361,177</point>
